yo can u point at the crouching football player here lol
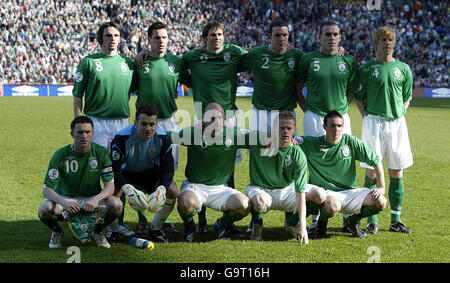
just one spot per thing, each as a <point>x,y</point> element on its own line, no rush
<point>278,182</point>
<point>143,162</point>
<point>331,163</point>
<point>73,176</point>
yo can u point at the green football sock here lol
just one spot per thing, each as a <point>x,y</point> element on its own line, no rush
<point>141,217</point>
<point>366,211</point>
<point>370,183</point>
<point>52,223</point>
<point>188,218</point>
<point>257,216</point>
<point>229,217</point>
<point>202,216</point>
<point>312,208</point>
<point>292,218</point>
<point>396,194</point>
<point>324,215</point>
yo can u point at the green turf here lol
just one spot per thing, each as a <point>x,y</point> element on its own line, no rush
<point>32,128</point>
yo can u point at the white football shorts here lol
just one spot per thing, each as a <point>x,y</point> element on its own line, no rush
<point>276,199</point>
<point>214,197</point>
<point>170,124</point>
<point>351,200</point>
<point>106,128</point>
<point>313,124</point>
<point>389,140</point>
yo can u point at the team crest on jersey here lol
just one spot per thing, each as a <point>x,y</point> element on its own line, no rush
<point>228,142</point>
<point>341,67</point>
<point>203,57</point>
<point>291,63</point>
<point>123,67</point>
<point>78,77</point>
<point>93,163</point>
<point>227,57</point>
<point>151,150</point>
<point>345,151</point>
<point>53,174</point>
<point>171,68</point>
<point>288,160</point>
<point>115,155</point>
<point>397,73</point>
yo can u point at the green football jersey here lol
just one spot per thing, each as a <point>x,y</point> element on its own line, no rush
<point>105,82</point>
<point>333,167</point>
<point>73,174</point>
<point>274,77</point>
<point>287,167</point>
<point>214,76</point>
<point>328,80</point>
<point>158,81</point>
<point>384,87</point>
<point>210,161</point>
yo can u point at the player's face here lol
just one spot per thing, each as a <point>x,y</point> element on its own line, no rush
<point>330,38</point>
<point>214,40</point>
<point>111,40</point>
<point>287,129</point>
<point>333,129</point>
<point>146,126</point>
<point>82,136</point>
<point>213,121</point>
<point>385,47</point>
<point>279,39</point>
<point>159,42</point>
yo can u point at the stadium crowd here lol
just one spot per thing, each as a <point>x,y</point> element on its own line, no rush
<point>42,41</point>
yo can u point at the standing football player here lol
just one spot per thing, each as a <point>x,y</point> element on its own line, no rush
<point>383,98</point>
<point>104,80</point>
<point>157,81</point>
<point>74,175</point>
<point>331,82</point>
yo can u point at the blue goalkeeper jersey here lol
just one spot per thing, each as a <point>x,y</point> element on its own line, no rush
<point>130,154</point>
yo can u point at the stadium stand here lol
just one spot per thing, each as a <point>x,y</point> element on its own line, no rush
<point>42,41</point>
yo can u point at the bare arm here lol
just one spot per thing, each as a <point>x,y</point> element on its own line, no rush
<point>71,206</point>
<point>406,103</point>
<point>302,234</point>
<point>107,191</point>
<point>300,98</point>
<point>350,97</point>
<point>77,106</point>
<point>379,173</point>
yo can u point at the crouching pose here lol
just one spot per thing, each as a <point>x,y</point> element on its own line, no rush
<point>72,185</point>
<point>331,162</point>
<point>278,182</point>
<point>211,153</point>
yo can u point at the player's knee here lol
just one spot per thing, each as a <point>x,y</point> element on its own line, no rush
<point>187,201</point>
<point>332,206</point>
<point>172,191</point>
<point>239,203</point>
<point>114,205</point>
<point>317,195</point>
<point>381,203</point>
<point>258,203</point>
<point>46,209</point>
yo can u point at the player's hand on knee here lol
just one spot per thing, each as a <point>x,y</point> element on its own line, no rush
<point>376,193</point>
<point>136,198</point>
<point>157,199</point>
<point>90,205</point>
<point>72,206</point>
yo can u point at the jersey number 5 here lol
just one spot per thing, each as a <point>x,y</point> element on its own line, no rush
<point>316,65</point>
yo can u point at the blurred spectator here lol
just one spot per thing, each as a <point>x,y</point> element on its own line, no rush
<point>42,41</point>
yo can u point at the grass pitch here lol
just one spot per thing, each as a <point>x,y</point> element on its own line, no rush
<point>32,128</point>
